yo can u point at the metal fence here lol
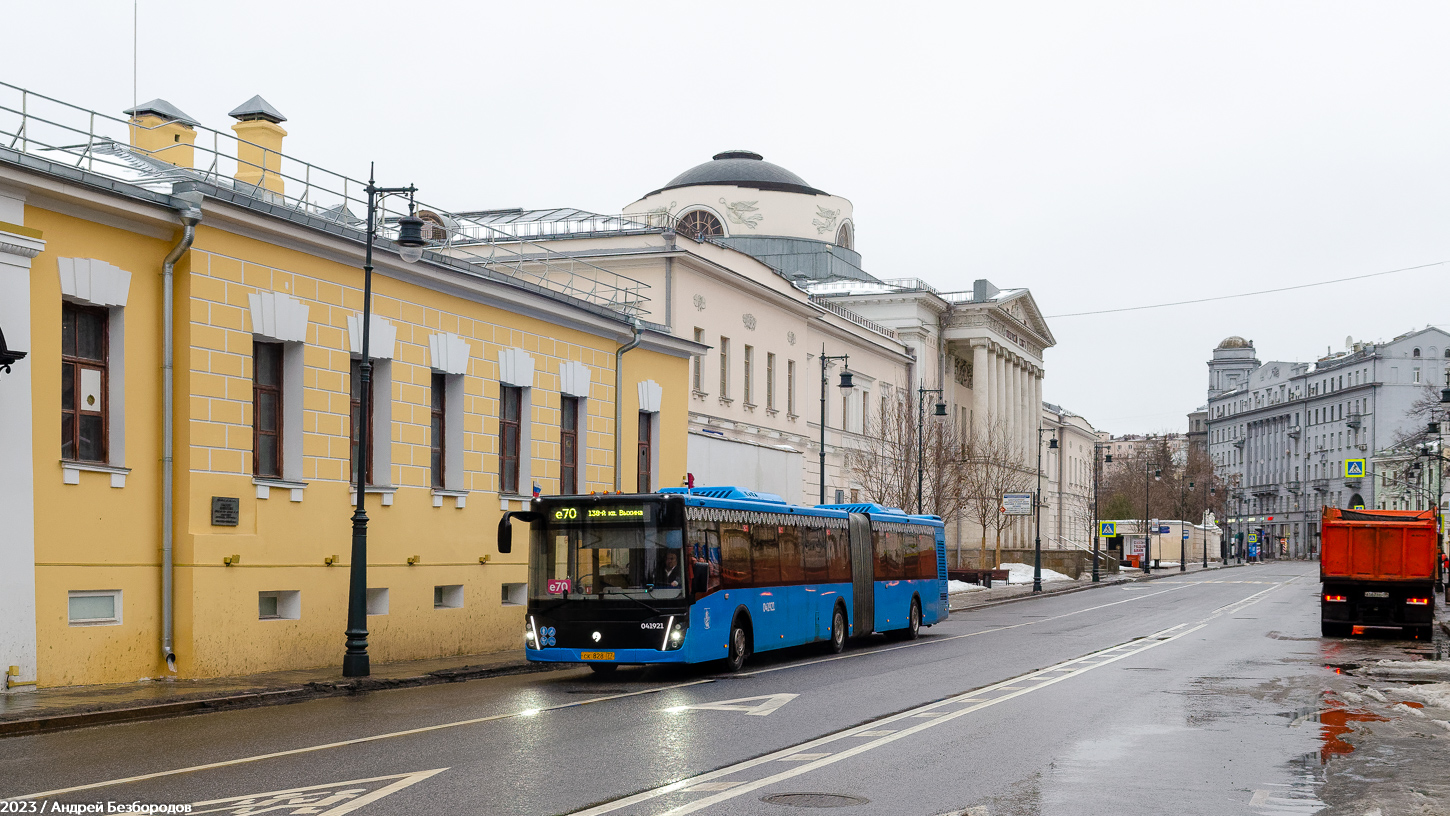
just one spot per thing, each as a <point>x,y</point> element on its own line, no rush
<point>37,125</point>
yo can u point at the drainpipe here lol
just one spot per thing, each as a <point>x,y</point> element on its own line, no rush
<point>190,217</point>
<point>618,391</point>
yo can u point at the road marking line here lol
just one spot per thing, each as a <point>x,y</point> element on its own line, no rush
<point>878,733</point>
<point>935,640</point>
<point>803,757</point>
<point>1138,646</point>
<point>356,741</point>
<point>347,796</point>
<point>713,786</point>
<point>531,712</point>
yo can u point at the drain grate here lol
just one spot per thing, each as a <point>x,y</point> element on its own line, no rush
<point>814,800</point>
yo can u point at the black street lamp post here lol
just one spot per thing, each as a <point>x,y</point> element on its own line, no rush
<point>410,242</point>
<point>846,385</point>
<point>1037,511</point>
<point>940,409</point>
<point>1206,510</point>
<point>1157,473</point>
<point>1097,520</point>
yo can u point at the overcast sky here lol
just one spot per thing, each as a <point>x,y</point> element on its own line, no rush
<point>1102,154</point>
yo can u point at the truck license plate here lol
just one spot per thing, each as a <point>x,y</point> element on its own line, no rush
<point>1376,594</point>
<point>597,655</point>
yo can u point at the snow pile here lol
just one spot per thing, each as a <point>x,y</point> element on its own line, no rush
<point>1409,669</point>
<point>1022,574</point>
<point>1434,695</point>
<point>962,586</point>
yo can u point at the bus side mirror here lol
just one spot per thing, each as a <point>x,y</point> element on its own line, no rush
<point>506,528</point>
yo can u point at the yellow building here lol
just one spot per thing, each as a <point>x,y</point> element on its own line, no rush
<point>495,370</point>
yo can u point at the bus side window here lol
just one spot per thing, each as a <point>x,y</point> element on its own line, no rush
<point>838,554</point>
<point>927,564</point>
<point>734,555</point>
<point>909,555</point>
<point>765,554</point>
<point>886,547</point>
<point>813,551</point>
<point>792,567</point>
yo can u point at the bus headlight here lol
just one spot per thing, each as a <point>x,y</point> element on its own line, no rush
<point>531,639</point>
<point>677,636</point>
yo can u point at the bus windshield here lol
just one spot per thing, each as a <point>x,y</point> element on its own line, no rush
<point>606,552</point>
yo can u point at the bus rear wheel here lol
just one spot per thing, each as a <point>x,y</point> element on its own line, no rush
<point>913,627</point>
<point>739,646</point>
<point>837,643</point>
<point>1331,629</point>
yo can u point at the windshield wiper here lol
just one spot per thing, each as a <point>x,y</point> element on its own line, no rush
<point>641,603</point>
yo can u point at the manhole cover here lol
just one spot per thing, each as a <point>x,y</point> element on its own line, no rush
<point>814,800</point>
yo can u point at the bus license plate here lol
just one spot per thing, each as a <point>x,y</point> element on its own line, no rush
<point>1376,594</point>
<point>597,655</point>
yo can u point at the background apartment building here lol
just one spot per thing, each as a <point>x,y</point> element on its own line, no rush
<point>1291,438</point>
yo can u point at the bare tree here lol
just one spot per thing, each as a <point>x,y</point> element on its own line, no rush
<point>903,449</point>
<point>997,466</point>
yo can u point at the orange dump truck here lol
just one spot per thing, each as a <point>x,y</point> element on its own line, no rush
<point>1378,570</point>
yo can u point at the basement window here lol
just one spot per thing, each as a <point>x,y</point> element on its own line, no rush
<point>448,597</point>
<point>514,595</point>
<point>378,601</point>
<point>94,607</point>
<point>281,604</point>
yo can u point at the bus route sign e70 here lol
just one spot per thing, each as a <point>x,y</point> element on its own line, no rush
<point>587,513</point>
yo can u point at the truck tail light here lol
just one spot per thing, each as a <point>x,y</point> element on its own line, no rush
<point>1334,598</point>
<point>1418,601</point>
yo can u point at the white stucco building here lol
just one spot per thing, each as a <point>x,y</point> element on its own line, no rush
<point>746,257</point>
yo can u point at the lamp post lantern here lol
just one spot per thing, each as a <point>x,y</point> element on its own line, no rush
<point>940,409</point>
<point>845,385</point>
<point>410,244</point>
<point>1037,511</point>
<point>1107,459</point>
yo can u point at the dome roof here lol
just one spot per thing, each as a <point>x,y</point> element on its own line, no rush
<point>741,168</point>
<point>1235,342</point>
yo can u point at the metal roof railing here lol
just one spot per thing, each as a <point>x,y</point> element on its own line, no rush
<point>71,136</point>
<point>842,311</point>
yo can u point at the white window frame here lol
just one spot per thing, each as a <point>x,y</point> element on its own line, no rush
<point>91,282</point>
<point>114,594</point>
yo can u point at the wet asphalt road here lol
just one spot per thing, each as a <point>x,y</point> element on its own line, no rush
<point>1142,699</point>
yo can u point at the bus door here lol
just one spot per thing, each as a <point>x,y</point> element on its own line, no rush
<point>863,574</point>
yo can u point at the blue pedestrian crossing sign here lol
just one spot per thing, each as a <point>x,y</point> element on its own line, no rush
<point>1107,528</point>
<point>1353,468</point>
<point>1253,538</point>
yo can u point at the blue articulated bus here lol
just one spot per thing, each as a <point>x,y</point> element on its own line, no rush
<point>716,573</point>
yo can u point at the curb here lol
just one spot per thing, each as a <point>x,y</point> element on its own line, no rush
<point>1071,590</point>
<point>232,702</point>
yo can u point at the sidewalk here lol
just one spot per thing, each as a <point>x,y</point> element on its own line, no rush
<point>1006,593</point>
<point>52,709</point>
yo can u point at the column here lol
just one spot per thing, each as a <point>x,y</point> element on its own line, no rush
<point>979,385</point>
<point>17,464</point>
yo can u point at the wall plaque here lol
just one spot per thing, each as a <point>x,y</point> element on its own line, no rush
<point>225,511</point>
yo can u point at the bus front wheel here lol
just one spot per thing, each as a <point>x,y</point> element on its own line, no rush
<point>838,631</point>
<point>739,646</point>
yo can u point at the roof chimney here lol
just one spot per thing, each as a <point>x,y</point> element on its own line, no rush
<point>983,290</point>
<point>162,131</point>
<point>259,153</point>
